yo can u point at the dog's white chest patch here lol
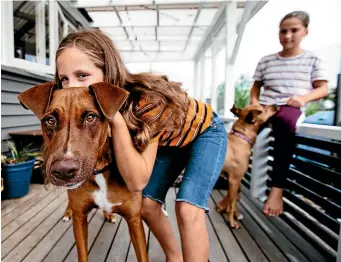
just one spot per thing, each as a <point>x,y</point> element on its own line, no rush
<point>100,196</point>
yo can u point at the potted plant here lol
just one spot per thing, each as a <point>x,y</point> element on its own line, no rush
<point>17,171</point>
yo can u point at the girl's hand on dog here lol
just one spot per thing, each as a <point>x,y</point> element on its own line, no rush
<point>296,101</point>
<point>118,120</point>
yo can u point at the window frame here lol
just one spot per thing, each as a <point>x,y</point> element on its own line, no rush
<point>7,43</point>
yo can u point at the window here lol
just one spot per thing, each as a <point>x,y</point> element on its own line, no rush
<point>64,26</point>
<point>31,22</point>
<point>33,30</point>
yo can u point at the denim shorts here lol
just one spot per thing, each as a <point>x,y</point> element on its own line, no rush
<point>202,160</point>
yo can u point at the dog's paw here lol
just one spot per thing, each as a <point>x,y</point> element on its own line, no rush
<point>112,219</point>
<point>233,224</point>
<point>239,216</point>
<point>221,208</point>
<point>67,215</point>
<point>109,217</point>
<point>66,219</point>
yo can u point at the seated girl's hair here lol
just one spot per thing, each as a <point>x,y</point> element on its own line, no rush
<point>154,88</point>
<point>301,15</point>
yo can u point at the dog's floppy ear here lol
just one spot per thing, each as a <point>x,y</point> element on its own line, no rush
<point>251,116</point>
<point>235,111</point>
<point>38,98</point>
<point>110,98</point>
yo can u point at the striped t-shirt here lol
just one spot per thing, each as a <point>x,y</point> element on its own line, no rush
<point>198,118</point>
<point>285,77</point>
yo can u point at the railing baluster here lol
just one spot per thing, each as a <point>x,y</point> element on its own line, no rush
<point>259,171</point>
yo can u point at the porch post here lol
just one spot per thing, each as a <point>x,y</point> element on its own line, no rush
<point>196,82</point>
<point>214,82</point>
<point>202,76</point>
<point>231,31</point>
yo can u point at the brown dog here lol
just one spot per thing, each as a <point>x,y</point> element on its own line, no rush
<point>78,156</point>
<point>240,142</point>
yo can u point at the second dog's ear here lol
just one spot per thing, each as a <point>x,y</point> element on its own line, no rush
<point>110,98</point>
<point>252,115</point>
<point>38,98</point>
<point>235,111</point>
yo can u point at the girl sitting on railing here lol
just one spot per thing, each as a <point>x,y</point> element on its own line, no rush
<point>291,79</point>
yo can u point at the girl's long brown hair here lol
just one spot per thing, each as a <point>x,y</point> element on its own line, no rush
<point>154,88</point>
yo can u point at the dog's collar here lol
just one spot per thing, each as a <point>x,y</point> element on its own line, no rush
<point>236,133</point>
<point>101,171</point>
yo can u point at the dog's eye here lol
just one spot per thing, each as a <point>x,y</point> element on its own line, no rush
<point>51,121</point>
<point>90,117</point>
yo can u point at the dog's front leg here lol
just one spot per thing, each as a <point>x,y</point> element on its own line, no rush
<point>138,237</point>
<point>234,183</point>
<point>80,231</point>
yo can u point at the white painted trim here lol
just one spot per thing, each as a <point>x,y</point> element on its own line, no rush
<point>196,81</point>
<point>31,66</point>
<point>202,83</point>
<point>66,22</point>
<point>211,30</point>
<point>241,26</point>
<point>7,43</point>
<point>331,132</point>
<point>7,58</point>
<point>40,32</point>
<point>214,82</point>
<point>53,31</point>
<point>231,31</point>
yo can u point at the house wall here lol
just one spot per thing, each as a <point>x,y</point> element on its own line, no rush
<point>14,117</point>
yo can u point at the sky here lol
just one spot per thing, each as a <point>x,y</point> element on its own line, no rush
<point>261,38</point>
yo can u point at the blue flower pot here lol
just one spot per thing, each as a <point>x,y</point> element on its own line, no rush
<point>17,179</point>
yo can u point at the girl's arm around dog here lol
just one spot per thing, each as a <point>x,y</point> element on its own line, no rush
<point>134,167</point>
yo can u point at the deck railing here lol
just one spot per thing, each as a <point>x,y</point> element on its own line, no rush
<point>312,201</point>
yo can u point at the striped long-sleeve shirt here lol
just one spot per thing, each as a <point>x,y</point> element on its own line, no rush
<point>198,118</point>
<point>284,77</point>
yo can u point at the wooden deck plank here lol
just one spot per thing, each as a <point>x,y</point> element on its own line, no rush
<point>10,204</point>
<point>64,245</point>
<point>297,240</point>
<point>95,225</point>
<point>216,250</point>
<point>131,254</point>
<point>119,249</point>
<point>252,251</point>
<point>155,251</point>
<point>48,241</point>
<point>288,250</point>
<point>99,251</point>
<point>232,249</point>
<point>25,247</point>
<point>22,219</point>
<point>11,213</point>
<point>170,208</point>
<point>44,237</point>
<point>262,240</point>
<point>12,241</point>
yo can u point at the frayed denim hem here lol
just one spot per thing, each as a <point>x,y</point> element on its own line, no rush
<point>189,202</point>
<point>152,198</point>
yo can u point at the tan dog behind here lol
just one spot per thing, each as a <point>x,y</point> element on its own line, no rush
<point>78,156</point>
<point>240,142</point>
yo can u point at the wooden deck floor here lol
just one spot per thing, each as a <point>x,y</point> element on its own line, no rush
<point>32,230</point>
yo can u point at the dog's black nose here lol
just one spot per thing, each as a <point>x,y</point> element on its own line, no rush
<point>65,169</point>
